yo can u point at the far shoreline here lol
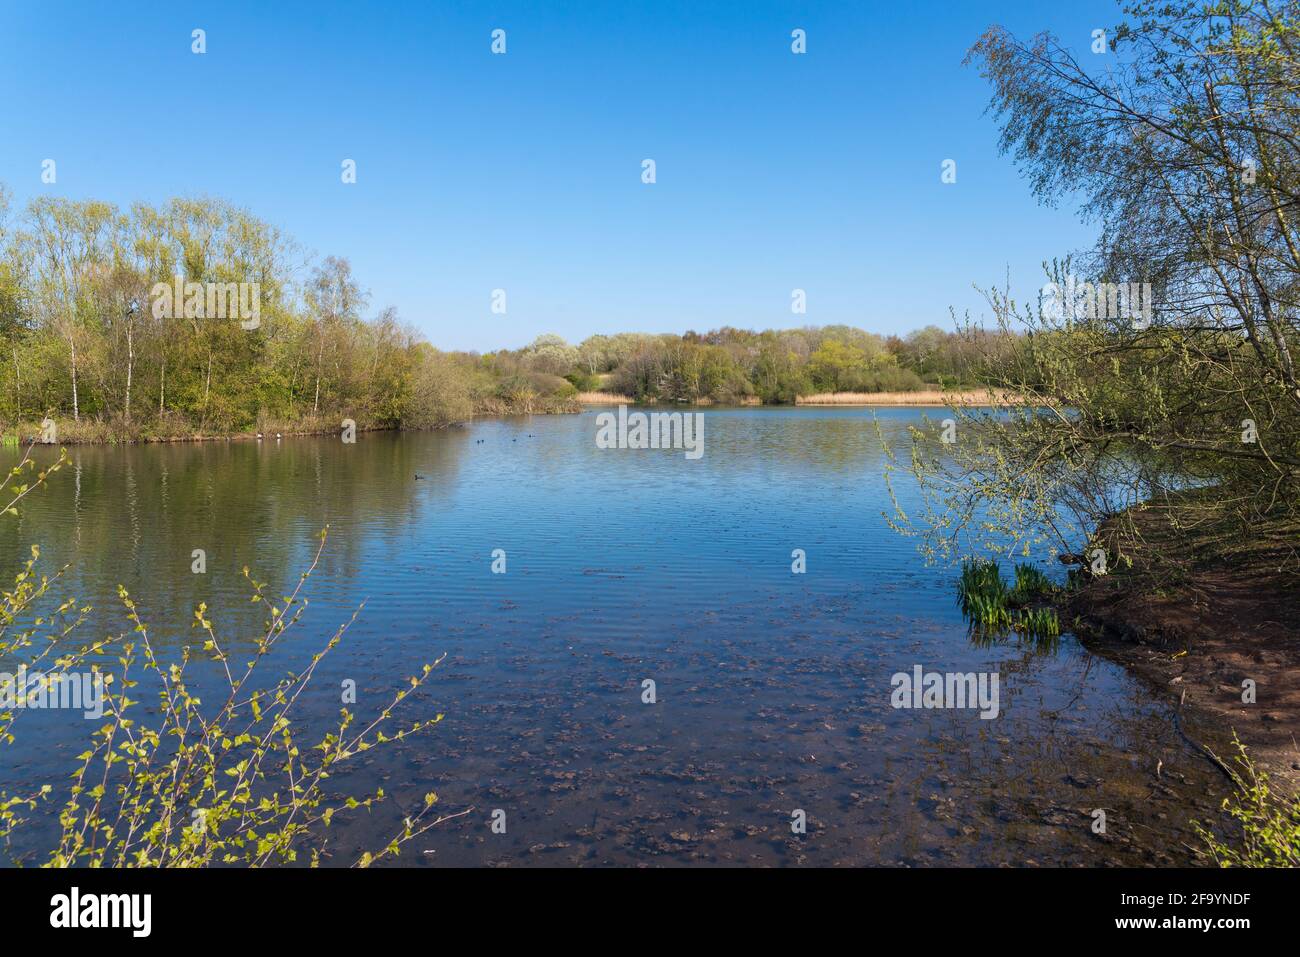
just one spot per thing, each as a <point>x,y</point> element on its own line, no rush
<point>95,432</point>
<point>923,398</point>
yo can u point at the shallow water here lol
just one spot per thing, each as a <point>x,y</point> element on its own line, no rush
<point>773,689</point>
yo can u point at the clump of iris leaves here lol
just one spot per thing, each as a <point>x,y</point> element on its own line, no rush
<point>996,609</point>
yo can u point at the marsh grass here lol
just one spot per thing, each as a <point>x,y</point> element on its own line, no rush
<point>995,609</point>
<point>1030,583</point>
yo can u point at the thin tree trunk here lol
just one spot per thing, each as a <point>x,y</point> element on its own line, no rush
<point>130,365</point>
<point>320,358</point>
<point>76,408</point>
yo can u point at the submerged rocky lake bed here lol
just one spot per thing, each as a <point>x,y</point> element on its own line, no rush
<point>650,658</point>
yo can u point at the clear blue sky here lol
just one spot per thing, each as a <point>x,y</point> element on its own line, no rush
<point>523,171</point>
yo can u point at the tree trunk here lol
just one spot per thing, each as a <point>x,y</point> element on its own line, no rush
<point>76,409</point>
<point>320,358</point>
<point>130,365</point>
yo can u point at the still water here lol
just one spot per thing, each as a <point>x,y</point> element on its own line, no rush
<point>772,689</point>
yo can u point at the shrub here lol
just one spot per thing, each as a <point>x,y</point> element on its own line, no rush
<point>1269,823</point>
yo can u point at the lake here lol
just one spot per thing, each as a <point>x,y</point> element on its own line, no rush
<point>772,690</point>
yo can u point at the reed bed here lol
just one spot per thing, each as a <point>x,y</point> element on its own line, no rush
<point>926,397</point>
<point>605,398</point>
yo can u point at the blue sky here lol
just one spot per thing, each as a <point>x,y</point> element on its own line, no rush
<point>523,172</point>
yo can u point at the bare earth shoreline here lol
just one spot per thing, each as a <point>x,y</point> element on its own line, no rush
<point>1229,623</point>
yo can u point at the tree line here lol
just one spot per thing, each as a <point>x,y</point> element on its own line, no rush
<point>780,366</point>
<point>93,334</point>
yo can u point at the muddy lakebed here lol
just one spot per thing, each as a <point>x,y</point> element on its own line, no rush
<point>771,690</point>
